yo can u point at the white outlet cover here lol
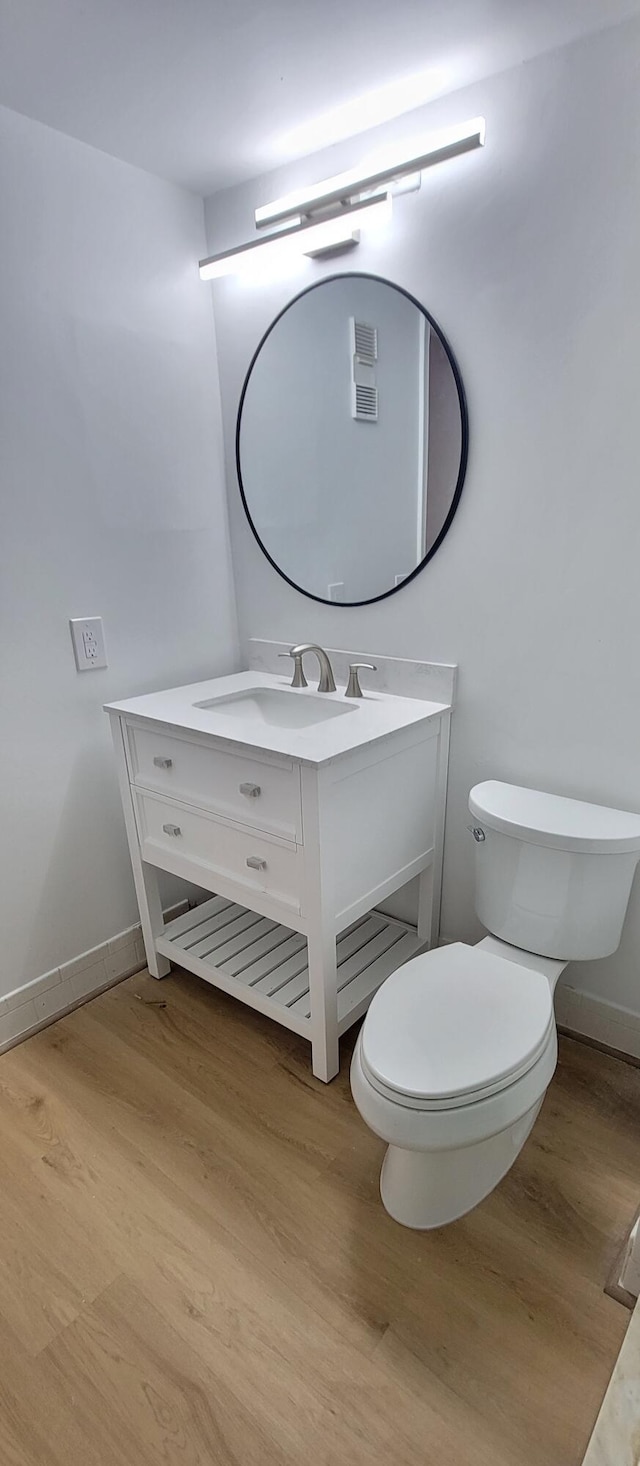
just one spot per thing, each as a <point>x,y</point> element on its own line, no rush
<point>87,635</point>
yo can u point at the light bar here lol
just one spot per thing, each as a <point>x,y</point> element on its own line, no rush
<point>308,239</point>
<point>436,148</point>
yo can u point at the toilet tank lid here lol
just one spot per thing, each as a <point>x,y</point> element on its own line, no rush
<point>551,819</point>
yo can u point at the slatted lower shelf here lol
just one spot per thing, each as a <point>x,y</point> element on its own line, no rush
<point>265,964</point>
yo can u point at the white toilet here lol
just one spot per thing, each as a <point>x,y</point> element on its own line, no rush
<point>458,1046</point>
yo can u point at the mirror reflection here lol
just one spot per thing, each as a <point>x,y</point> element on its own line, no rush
<point>352,439</point>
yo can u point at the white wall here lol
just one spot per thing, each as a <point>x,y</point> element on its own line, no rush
<point>111,503</point>
<point>527,254</point>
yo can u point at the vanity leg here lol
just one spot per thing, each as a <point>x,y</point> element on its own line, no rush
<point>151,917</point>
<point>325,1048</point>
<point>145,877</point>
<point>426,924</point>
<point>430,897</point>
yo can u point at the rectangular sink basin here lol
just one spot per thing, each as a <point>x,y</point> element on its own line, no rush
<point>277,707</point>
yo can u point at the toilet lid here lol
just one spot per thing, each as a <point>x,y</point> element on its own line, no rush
<point>553,820</point>
<point>456,1022</point>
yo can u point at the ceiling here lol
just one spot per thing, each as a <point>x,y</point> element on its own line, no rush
<point>204,92</point>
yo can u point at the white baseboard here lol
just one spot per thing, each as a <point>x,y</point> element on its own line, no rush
<point>38,1003</point>
<point>590,1017</point>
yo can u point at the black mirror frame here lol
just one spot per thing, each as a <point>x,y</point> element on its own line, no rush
<point>464,445</point>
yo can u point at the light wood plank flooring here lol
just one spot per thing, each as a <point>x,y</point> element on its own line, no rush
<point>195,1267</point>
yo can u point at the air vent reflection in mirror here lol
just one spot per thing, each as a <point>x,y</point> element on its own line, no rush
<point>364,354</point>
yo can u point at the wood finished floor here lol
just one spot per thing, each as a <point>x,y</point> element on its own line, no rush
<point>195,1267</point>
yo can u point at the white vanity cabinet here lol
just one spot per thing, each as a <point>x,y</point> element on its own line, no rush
<point>298,853</point>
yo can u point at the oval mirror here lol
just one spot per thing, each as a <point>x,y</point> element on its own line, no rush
<point>351,440</point>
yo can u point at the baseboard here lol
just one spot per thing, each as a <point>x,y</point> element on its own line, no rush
<point>604,1023</point>
<point>32,1007</point>
<point>38,1003</point>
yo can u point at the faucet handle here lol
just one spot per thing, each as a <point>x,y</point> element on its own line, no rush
<point>299,679</point>
<point>353,688</point>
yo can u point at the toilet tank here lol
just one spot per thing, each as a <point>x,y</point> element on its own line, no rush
<point>552,875</point>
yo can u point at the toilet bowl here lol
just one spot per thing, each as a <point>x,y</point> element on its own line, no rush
<point>459,1046</point>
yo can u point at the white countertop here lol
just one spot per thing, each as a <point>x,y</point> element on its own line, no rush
<point>374,716</point>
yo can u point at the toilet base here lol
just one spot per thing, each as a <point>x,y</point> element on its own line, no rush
<point>426,1189</point>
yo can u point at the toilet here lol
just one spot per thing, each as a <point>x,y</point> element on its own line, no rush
<point>454,1057</point>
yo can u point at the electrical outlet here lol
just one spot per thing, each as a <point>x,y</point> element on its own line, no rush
<point>87,636</point>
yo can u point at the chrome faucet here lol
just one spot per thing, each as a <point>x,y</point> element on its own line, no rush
<point>327,680</point>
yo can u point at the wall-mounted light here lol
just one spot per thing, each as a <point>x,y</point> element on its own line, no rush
<point>329,215</point>
<point>312,237</point>
<point>376,174</point>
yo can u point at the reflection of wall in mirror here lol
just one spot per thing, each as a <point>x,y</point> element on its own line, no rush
<point>336,501</point>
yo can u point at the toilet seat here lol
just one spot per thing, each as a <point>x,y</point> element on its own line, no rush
<point>454,1027</point>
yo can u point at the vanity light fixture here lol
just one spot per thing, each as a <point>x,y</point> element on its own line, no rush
<point>329,215</point>
<point>376,175</point>
<point>306,237</point>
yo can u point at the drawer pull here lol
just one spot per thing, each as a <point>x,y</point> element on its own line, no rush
<point>256,862</point>
<point>172,829</point>
<point>163,763</point>
<point>251,790</point>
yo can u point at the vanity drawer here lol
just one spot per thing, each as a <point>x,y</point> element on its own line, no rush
<point>188,843</point>
<point>225,783</point>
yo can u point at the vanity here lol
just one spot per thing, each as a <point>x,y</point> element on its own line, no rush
<point>303,809</point>
<point>301,812</point>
